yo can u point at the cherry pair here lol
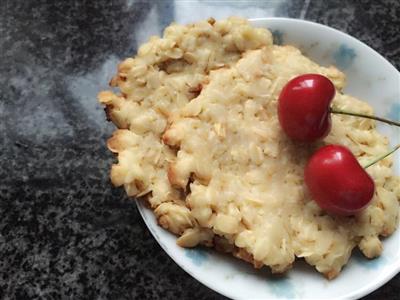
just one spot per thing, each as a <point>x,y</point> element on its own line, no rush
<point>335,179</point>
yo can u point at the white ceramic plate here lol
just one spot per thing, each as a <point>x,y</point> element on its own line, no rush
<point>369,77</point>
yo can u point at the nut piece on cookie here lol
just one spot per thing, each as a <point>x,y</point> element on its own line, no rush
<point>175,218</point>
<point>195,236</point>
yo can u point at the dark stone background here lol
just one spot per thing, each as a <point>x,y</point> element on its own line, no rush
<point>64,231</point>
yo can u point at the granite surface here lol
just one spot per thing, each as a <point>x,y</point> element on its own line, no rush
<point>65,233</point>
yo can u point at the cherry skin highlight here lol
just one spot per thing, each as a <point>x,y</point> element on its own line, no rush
<point>337,182</point>
<point>303,107</point>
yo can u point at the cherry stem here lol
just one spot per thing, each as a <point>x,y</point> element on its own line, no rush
<point>342,112</point>
<point>382,157</point>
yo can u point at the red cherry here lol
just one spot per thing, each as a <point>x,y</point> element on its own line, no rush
<point>303,107</point>
<point>337,182</point>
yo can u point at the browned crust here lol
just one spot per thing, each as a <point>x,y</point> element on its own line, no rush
<point>114,142</point>
<point>113,82</point>
<point>171,174</point>
<point>222,245</point>
<point>144,200</point>
<point>173,178</point>
<point>195,90</point>
<point>331,274</point>
<point>108,109</point>
<point>386,232</point>
<point>211,21</point>
<point>164,224</point>
<point>166,138</point>
<point>246,256</point>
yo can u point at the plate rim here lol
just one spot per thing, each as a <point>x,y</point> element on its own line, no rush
<point>374,285</point>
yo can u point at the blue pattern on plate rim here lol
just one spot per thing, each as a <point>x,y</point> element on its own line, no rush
<point>344,56</point>
<point>394,112</point>
<point>277,36</point>
<point>282,287</point>
<point>197,256</point>
<point>371,264</point>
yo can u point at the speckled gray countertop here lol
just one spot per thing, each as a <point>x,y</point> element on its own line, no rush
<point>65,233</point>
